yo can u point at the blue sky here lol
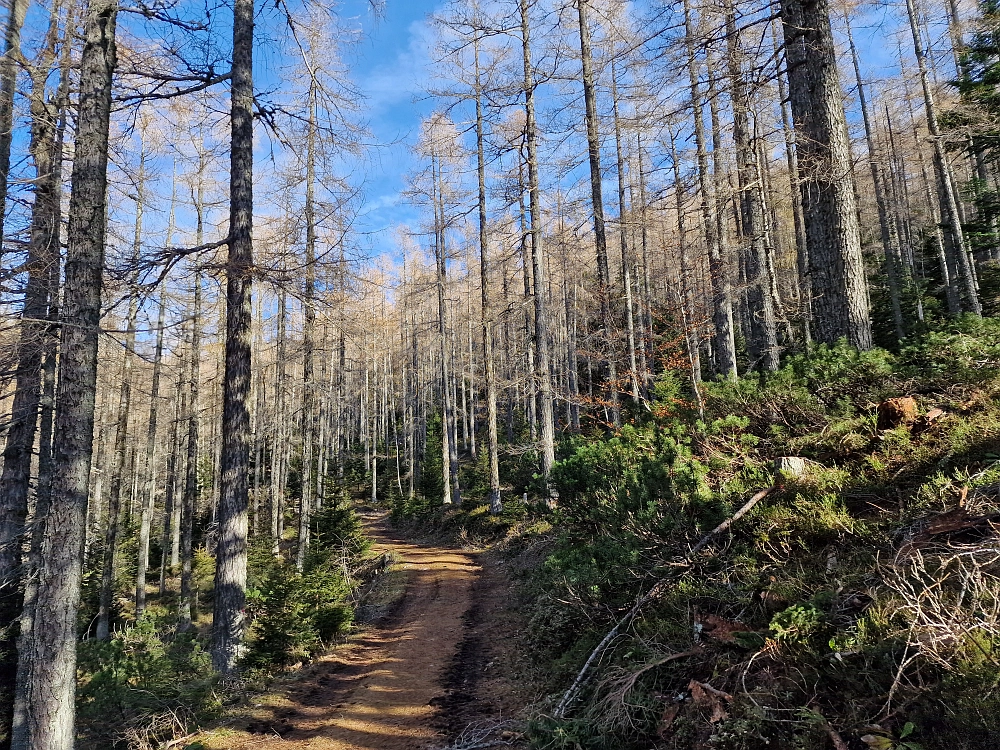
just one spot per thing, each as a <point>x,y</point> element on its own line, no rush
<point>390,68</point>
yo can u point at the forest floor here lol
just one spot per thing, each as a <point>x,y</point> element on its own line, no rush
<point>429,667</point>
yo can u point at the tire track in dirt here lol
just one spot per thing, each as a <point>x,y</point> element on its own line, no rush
<point>382,689</point>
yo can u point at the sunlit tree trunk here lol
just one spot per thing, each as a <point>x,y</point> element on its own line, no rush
<point>119,468</point>
<point>950,210</point>
<point>47,650</point>
<point>833,236</point>
<point>597,200</point>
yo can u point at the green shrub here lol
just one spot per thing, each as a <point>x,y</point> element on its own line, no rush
<point>141,685</point>
<point>292,614</point>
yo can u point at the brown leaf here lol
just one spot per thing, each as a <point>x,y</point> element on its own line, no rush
<point>667,720</point>
<point>721,629</point>
<point>704,695</point>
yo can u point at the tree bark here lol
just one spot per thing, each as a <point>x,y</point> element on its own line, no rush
<point>722,305</point>
<point>597,201</point>
<point>627,263</point>
<point>542,356</point>
<point>149,470</point>
<point>231,553</point>
<point>950,209</point>
<point>119,468</point>
<point>804,285</point>
<point>833,236</point>
<point>9,63</point>
<point>308,333</point>
<point>762,338</point>
<point>489,365</point>
<point>47,650</point>
<point>887,228</point>
<point>41,292</point>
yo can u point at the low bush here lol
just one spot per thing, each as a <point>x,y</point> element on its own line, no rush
<point>808,617</point>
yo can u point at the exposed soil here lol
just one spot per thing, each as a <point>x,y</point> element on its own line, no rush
<point>432,665</point>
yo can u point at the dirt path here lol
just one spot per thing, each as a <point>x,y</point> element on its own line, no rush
<point>407,683</point>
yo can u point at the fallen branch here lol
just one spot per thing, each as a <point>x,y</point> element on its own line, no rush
<point>833,734</point>
<point>581,678</point>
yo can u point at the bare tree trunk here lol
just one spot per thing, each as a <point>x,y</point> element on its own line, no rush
<point>597,199</point>
<point>231,553</point>
<point>804,285</point>
<point>946,190</point>
<point>41,292</point>
<point>722,307</point>
<point>833,236</point>
<point>762,338</point>
<point>189,507</point>
<point>308,332</point>
<point>890,239</point>
<point>637,391</point>
<point>170,523</point>
<point>47,649</point>
<point>278,439</point>
<point>49,191</point>
<point>542,357</point>
<point>149,471</point>
<point>441,260</point>
<point>489,365</point>
<point>686,293</point>
<point>119,469</point>
<point>17,10</point>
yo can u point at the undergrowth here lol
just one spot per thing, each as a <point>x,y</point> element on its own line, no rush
<point>149,684</point>
<point>844,607</point>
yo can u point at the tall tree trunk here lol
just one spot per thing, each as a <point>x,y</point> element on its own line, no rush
<point>722,305</point>
<point>119,471</point>
<point>192,491</point>
<point>489,365</point>
<point>542,357</point>
<point>804,284</point>
<point>627,263</point>
<point>308,332</point>
<point>9,63</point>
<point>279,442</point>
<point>762,338</point>
<point>47,649</point>
<point>171,519</point>
<point>686,292</point>
<point>597,200</point>
<point>720,182</point>
<point>442,267</point>
<point>189,504</point>
<point>231,552</point>
<point>149,470</point>
<point>887,228</point>
<point>833,236</point>
<point>41,291</point>
<point>947,196</point>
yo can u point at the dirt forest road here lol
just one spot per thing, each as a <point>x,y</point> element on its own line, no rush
<point>409,682</point>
